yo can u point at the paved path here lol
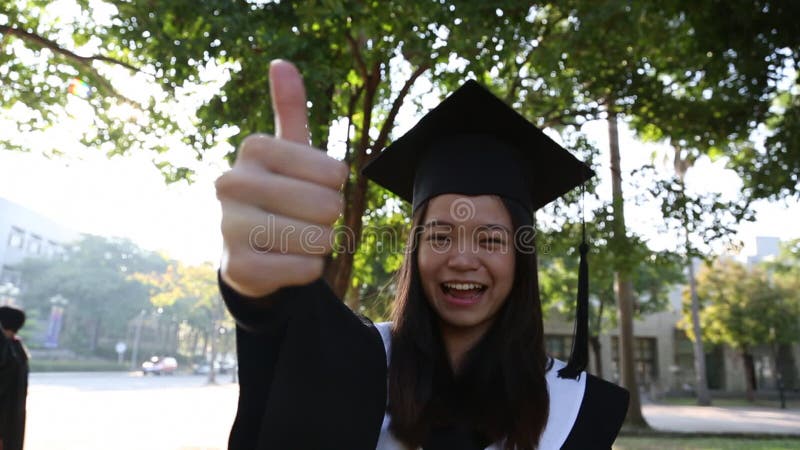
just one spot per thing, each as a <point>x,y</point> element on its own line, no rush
<point>119,411</point>
<point>723,419</point>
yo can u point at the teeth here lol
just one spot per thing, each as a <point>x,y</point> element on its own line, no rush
<point>463,286</point>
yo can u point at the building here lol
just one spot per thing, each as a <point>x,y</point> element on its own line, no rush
<point>663,354</point>
<point>662,364</point>
<point>26,234</point>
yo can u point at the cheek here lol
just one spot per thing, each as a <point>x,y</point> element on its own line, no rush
<point>426,263</point>
<point>503,272</point>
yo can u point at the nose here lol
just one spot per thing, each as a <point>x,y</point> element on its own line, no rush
<point>463,260</point>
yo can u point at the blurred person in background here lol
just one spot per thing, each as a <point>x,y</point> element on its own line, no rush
<point>13,379</point>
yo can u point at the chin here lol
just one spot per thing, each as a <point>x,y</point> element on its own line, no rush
<point>462,320</point>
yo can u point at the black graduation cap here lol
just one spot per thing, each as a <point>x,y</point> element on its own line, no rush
<point>474,144</point>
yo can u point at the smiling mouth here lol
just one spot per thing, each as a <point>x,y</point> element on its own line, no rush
<point>463,291</point>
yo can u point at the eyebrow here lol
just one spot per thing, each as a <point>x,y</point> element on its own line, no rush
<point>437,223</point>
<point>488,227</point>
<point>494,226</point>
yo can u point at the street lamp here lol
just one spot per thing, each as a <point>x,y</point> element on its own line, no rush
<point>8,293</point>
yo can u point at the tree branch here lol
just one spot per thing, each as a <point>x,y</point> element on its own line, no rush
<point>380,142</point>
<point>85,61</point>
<point>47,43</point>
<point>351,106</point>
<point>362,66</point>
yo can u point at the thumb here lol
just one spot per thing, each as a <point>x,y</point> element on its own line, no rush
<point>288,102</point>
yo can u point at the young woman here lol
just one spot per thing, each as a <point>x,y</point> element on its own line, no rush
<point>462,365</point>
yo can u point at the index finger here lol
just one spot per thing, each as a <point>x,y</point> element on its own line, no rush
<point>288,102</point>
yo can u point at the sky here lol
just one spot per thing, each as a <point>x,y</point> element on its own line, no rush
<point>126,196</point>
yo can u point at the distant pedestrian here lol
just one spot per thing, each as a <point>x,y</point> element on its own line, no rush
<point>13,379</point>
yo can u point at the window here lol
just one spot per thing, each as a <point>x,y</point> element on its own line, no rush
<point>50,249</point>
<point>35,244</point>
<point>558,346</point>
<point>17,238</point>
<point>644,357</point>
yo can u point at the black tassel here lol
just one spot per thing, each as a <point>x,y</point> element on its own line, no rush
<point>580,342</point>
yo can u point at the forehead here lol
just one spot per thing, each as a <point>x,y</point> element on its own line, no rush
<point>478,209</point>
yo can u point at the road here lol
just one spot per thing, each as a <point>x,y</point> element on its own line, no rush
<point>121,411</point>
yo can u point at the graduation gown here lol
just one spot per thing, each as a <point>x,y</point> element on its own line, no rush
<point>312,375</point>
<point>13,392</point>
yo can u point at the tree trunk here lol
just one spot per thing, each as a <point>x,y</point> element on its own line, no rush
<point>195,340</point>
<point>175,338</point>
<point>787,366</point>
<point>594,341</point>
<point>95,335</point>
<point>681,166</point>
<point>342,266</point>
<point>622,283</point>
<point>750,376</point>
<point>701,383</point>
<point>204,346</point>
<point>212,372</point>
<point>137,335</point>
<point>339,271</point>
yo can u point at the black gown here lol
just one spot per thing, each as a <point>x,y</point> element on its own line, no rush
<point>13,392</point>
<point>312,375</point>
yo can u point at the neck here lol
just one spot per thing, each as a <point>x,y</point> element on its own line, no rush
<point>458,341</point>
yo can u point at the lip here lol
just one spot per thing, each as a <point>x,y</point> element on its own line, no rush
<point>458,301</point>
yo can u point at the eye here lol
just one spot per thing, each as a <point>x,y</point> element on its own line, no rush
<point>494,242</point>
<point>438,240</point>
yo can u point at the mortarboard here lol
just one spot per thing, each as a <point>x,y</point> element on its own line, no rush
<point>472,143</point>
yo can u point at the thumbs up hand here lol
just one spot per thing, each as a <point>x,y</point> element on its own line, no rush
<point>280,199</point>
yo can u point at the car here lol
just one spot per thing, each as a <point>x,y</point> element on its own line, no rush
<point>160,365</point>
<point>221,367</point>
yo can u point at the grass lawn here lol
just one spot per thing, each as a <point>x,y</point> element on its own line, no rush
<point>662,443</point>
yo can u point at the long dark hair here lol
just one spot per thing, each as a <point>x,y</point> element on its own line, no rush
<point>500,391</point>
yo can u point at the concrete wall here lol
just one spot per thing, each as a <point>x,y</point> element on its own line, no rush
<point>659,326</point>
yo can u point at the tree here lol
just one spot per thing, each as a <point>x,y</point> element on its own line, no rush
<point>744,308</point>
<point>701,220</point>
<point>561,64</point>
<point>641,62</point>
<point>191,293</point>
<point>57,67</point>
<point>654,274</point>
<point>761,41</point>
<point>785,273</point>
<point>95,276</point>
<point>360,60</point>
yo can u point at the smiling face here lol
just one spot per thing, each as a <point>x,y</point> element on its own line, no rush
<point>466,259</point>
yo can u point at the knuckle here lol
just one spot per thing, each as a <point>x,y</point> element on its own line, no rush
<point>330,207</point>
<point>253,145</point>
<point>342,172</point>
<point>222,184</point>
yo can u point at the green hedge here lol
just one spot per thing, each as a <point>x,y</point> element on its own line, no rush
<point>76,366</point>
